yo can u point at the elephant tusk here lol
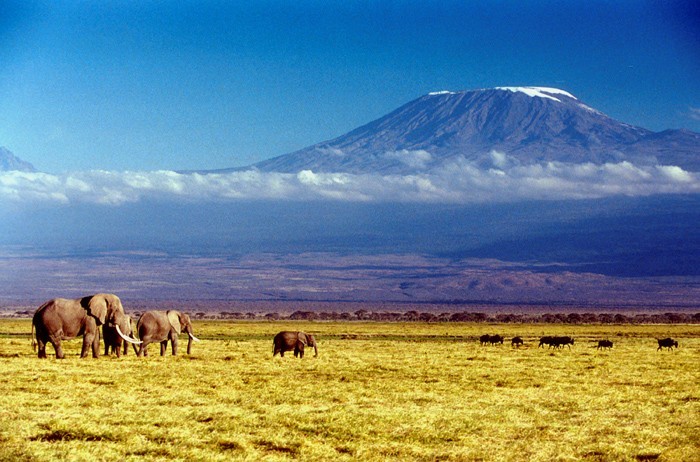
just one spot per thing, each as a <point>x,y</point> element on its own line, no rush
<point>128,339</point>
<point>193,337</point>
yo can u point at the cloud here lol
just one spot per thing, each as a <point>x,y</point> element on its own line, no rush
<point>418,159</point>
<point>694,113</point>
<point>329,151</point>
<point>456,181</point>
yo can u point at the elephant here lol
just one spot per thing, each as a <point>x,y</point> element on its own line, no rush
<point>293,341</point>
<point>64,319</point>
<point>113,341</point>
<point>161,326</point>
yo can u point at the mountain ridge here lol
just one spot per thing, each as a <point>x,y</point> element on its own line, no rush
<point>10,162</point>
<point>528,124</point>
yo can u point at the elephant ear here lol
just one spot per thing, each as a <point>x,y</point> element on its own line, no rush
<point>174,318</point>
<point>302,337</point>
<point>113,302</point>
<point>97,308</point>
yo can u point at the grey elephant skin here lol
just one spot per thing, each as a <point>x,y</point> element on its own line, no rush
<point>64,319</point>
<point>114,343</point>
<point>161,326</point>
<point>293,341</point>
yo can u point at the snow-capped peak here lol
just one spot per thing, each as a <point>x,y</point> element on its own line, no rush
<point>443,92</point>
<point>534,92</point>
<point>539,92</point>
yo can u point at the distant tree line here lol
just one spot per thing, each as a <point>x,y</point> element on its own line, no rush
<point>465,316</point>
<point>461,316</point>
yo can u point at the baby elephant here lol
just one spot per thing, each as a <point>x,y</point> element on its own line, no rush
<point>293,341</point>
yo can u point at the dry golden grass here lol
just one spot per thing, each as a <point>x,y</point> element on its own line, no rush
<point>377,391</point>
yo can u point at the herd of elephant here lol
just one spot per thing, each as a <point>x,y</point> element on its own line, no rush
<point>64,319</point>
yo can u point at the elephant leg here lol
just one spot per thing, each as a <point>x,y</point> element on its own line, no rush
<point>41,347</point>
<point>299,350</point>
<point>163,347</point>
<point>143,349</point>
<point>118,349</point>
<point>55,340</point>
<point>96,345</point>
<point>88,341</point>
<point>91,339</point>
<point>57,348</point>
<point>173,341</point>
<point>126,347</point>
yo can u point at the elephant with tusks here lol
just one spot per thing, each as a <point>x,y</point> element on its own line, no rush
<point>161,326</point>
<point>293,341</point>
<point>114,343</point>
<point>64,319</point>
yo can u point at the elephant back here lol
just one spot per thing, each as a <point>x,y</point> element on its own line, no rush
<point>153,325</point>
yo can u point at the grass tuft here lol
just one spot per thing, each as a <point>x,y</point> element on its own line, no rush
<point>72,435</point>
<point>645,457</point>
<point>230,446</point>
<point>271,446</point>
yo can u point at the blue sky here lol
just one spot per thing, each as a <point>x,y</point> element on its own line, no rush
<point>204,85</point>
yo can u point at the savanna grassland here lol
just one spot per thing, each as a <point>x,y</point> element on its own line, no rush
<point>377,391</point>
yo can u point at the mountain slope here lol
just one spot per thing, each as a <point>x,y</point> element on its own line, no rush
<point>8,161</point>
<point>529,124</point>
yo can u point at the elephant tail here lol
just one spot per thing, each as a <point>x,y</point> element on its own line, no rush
<point>33,338</point>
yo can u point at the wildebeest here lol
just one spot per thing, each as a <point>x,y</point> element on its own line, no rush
<point>492,339</point>
<point>516,341</point>
<point>556,341</point>
<point>667,342</point>
<point>559,342</point>
<point>604,344</point>
<point>496,339</point>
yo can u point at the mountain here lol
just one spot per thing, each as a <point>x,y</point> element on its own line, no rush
<point>8,161</point>
<point>528,124</point>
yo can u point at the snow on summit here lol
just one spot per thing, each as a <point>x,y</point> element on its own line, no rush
<point>534,92</point>
<point>539,92</point>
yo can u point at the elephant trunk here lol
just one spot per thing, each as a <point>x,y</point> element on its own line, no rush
<point>189,342</point>
<point>315,350</point>
<point>128,339</point>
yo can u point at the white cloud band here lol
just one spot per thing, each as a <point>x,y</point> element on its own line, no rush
<point>457,181</point>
